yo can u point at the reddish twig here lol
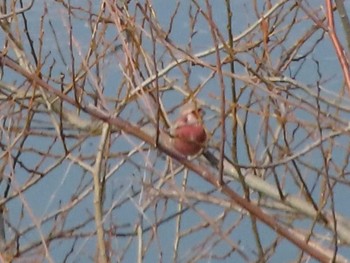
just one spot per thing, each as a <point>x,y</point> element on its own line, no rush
<point>338,47</point>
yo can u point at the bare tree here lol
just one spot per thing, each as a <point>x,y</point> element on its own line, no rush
<point>89,93</point>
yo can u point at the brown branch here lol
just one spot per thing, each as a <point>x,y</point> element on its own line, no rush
<point>336,43</point>
<point>17,11</point>
<point>344,19</point>
<point>201,170</point>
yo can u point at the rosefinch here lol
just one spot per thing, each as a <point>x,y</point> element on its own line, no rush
<point>188,133</point>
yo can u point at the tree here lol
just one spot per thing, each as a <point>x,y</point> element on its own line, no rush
<point>88,90</point>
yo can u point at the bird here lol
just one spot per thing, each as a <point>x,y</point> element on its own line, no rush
<point>188,135</point>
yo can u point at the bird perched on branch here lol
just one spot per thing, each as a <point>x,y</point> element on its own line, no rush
<point>188,134</point>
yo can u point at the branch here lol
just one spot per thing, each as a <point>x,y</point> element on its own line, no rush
<point>202,171</point>
<point>98,198</point>
<point>336,43</point>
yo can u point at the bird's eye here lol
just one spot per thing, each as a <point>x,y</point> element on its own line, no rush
<point>198,113</point>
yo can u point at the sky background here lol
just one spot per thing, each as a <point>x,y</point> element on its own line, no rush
<point>124,183</point>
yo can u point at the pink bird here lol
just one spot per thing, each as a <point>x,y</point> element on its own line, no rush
<point>189,135</point>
